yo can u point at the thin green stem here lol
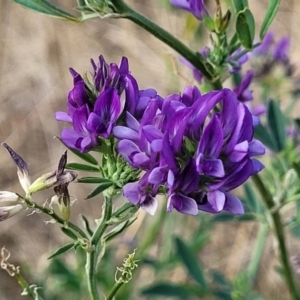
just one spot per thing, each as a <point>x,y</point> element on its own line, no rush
<point>114,290</point>
<point>92,257</point>
<point>29,290</point>
<point>257,252</point>
<point>57,218</point>
<point>279,232</point>
<point>193,57</point>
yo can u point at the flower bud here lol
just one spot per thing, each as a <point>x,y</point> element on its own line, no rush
<point>63,199</point>
<point>8,198</point>
<point>22,168</point>
<point>9,211</point>
<point>55,178</point>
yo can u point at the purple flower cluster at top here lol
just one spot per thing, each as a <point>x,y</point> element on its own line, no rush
<point>278,51</point>
<point>93,109</point>
<point>195,148</point>
<point>195,7</point>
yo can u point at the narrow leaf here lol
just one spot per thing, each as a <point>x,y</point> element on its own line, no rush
<point>190,261</point>
<point>99,189</point>
<point>69,233</point>
<point>86,225</point>
<point>251,200</point>
<point>262,134</point>
<point>81,167</point>
<point>84,156</point>
<point>93,180</point>
<point>269,17</point>
<point>62,250</point>
<point>245,28</point>
<point>45,7</point>
<point>119,229</point>
<point>276,124</point>
<point>168,290</point>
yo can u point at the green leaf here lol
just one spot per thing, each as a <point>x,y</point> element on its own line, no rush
<point>245,28</point>
<point>223,217</point>
<point>295,231</point>
<point>190,261</point>
<point>262,134</point>
<point>168,290</point>
<point>268,19</point>
<point>86,225</point>
<point>62,250</point>
<point>45,7</point>
<point>69,233</point>
<point>93,180</point>
<point>81,167</point>
<point>119,229</point>
<point>276,124</point>
<point>84,156</point>
<point>251,200</point>
<point>99,189</point>
<point>239,5</point>
<point>220,279</point>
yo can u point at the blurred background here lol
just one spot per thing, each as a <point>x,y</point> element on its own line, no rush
<point>35,54</point>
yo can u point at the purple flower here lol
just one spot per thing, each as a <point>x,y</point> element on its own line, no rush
<point>142,193</point>
<point>193,151</point>
<point>281,49</point>
<point>242,91</point>
<point>196,73</point>
<point>234,63</point>
<point>94,108</point>
<point>80,138</point>
<point>271,53</point>
<point>180,185</point>
<point>107,109</point>
<point>195,7</point>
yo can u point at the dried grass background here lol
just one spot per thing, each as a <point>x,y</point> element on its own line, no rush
<point>35,54</point>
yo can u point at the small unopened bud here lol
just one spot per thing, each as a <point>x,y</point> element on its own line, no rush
<point>63,199</point>
<point>8,198</point>
<point>55,178</point>
<point>22,168</point>
<point>8,211</point>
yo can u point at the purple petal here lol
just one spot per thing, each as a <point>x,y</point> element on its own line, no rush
<point>128,148</point>
<point>159,175</point>
<point>150,205</point>
<point>256,148</point>
<point>131,192</point>
<point>132,93</point>
<point>188,177</point>
<point>80,119</point>
<point>233,205</point>
<point>216,199</point>
<point>151,133</point>
<point>63,116</point>
<point>257,166</point>
<point>108,106</point>
<point>140,160</point>
<point>132,122</point>
<point>183,204</point>
<point>122,132</point>
<point>210,167</point>
<point>212,139</point>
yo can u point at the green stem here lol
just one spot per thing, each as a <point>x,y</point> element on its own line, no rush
<point>56,217</point>
<point>114,290</point>
<point>257,252</point>
<point>93,257</point>
<point>23,283</point>
<point>279,232</point>
<point>193,57</point>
